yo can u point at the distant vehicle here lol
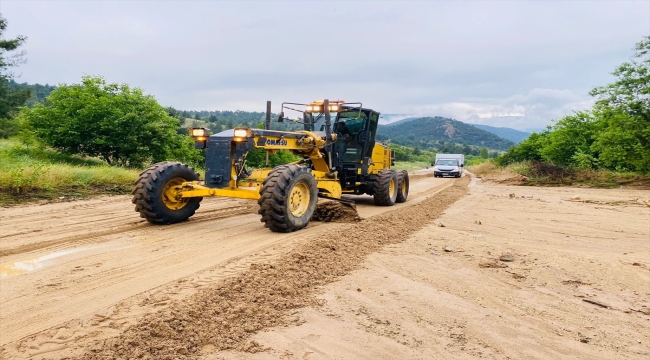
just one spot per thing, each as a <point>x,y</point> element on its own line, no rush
<point>448,165</point>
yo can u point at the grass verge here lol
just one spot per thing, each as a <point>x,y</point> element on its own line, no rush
<point>483,169</point>
<point>410,165</point>
<point>34,173</point>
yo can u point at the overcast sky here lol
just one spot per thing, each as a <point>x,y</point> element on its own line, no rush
<point>503,63</point>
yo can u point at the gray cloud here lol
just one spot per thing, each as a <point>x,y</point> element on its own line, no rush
<point>471,60</point>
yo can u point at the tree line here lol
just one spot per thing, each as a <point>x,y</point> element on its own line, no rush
<point>614,134</point>
<point>124,126</point>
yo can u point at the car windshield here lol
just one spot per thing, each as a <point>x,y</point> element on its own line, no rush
<point>447,162</point>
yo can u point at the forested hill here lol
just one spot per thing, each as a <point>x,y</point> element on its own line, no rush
<point>432,132</point>
<point>39,92</point>
<point>504,132</point>
<point>424,132</point>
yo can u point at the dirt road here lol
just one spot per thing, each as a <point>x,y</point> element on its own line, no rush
<point>504,272</point>
<point>88,269</point>
<point>575,286</point>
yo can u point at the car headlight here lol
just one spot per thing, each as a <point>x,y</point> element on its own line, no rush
<point>456,168</point>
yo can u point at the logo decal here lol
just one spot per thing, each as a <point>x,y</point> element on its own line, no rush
<point>280,142</point>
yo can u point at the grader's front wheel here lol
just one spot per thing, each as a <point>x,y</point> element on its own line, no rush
<point>156,197</point>
<point>288,198</point>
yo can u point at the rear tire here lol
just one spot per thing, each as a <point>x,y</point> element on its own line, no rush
<point>403,188</point>
<point>385,189</point>
<point>155,199</point>
<point>288,198</point>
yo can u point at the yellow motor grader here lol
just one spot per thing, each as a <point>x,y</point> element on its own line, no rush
<point>341,158</point>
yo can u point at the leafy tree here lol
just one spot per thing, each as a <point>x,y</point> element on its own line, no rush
<point>529,149</point>
<point>623,142</point>
<point>402,153</point>
<point>10,98</point>
<point>570,136</point>
<point>115,122</point>
<point>484,153</point>
<point>631,91</point>
<point>39,92</point>
<point>624,107</point>
<point>615,134</point>
<point>256,158</point>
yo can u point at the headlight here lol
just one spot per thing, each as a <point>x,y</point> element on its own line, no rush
<point>456,168</point>
<point>316,108</point>
<point>334,108</point>
<point>199,132</point>
<point>308,108</point>
<point>241,133</point>
<point>435,168</point>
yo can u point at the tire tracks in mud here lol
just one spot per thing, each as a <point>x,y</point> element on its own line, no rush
<point>48,338</point>
<point>224,315</point>
<point>119,228</point>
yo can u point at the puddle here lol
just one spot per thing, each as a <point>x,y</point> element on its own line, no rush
<point>29,265</point>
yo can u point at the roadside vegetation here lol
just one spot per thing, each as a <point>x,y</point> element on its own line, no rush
<point>95,137</point>
<point>536,173</point>
<point>33,173</point>
<point>606,146</point>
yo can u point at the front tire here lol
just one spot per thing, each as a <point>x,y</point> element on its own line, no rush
<point>403,188</point>
<point>385,189</point>
<point>155,197</point>
<point>288,198</point>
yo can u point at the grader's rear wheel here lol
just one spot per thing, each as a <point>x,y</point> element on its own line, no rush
<point>385,188</point>
<point>403,188</point>
<point>156,197</point>
<point>288,198</point>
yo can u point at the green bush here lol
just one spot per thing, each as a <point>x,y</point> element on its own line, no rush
<point>117,123</point>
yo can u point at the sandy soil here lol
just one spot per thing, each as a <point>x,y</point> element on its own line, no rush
<point>443,293</point>
<point>88,279</point>
<point>72,273</point>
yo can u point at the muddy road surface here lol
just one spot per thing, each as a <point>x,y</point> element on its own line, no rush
<point>463,270</point>
<point>78,271</point>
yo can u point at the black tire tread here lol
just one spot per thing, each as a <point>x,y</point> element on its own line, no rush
<point>273,198</point>
<point>147,200</point>
<point>381,188</point>
<point>402,178</point>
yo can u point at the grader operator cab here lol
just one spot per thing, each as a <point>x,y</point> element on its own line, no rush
<point>341,158</point>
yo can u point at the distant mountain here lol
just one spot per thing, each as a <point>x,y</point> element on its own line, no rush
<point>532,130</point>
<point>504,132</point>
<point>434,132</point>
<point>402,121</point>
<point>386,119</point>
